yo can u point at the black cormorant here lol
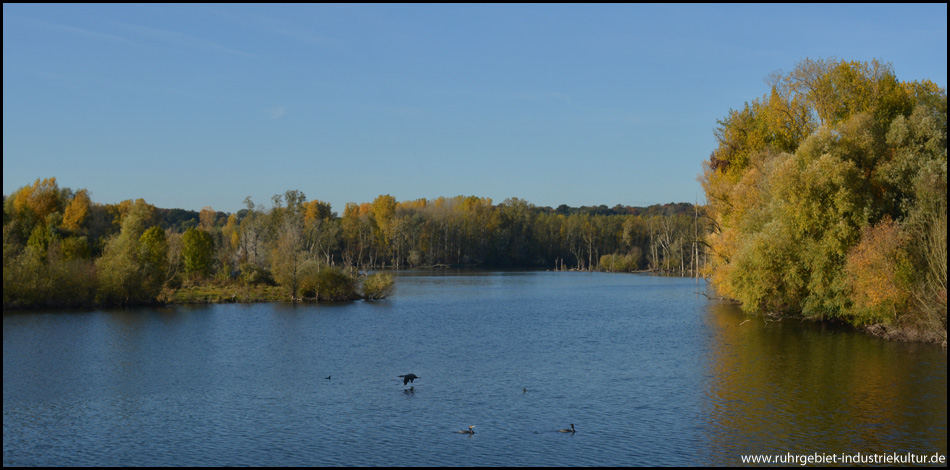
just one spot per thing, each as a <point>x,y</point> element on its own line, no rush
<point>567,430</point>
<point>471,430</point>
<point>408,378</point>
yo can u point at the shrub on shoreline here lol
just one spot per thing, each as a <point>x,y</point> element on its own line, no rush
<point>377,286</point>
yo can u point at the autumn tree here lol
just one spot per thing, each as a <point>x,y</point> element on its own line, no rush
<point>357,227</point>
<point>206,218</point>
<point>321,230</point>
<point>77,211</point>
<point>33,205</point>
<point>878,272</point>
<point>290,250</point>
<point>817,189</point>
<point>251,234</point>
<point>383,211</point>
<point>288,255</point>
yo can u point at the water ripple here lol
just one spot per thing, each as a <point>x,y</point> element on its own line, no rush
<point>650,374</point>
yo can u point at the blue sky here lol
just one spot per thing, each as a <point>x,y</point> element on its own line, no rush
<point>202,105</point>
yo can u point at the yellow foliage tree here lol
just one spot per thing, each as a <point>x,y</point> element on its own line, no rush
<point>77,211</point>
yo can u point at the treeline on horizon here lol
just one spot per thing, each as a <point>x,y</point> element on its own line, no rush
<point>63,249</point>
<point>828,199</point>
<point>180,220</point>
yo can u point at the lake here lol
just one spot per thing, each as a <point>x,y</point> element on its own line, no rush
<point>650,372</point>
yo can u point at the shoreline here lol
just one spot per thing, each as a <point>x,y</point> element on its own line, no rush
<point>212,293</point>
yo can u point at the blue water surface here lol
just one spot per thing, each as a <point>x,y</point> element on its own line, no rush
<point>648,370</point>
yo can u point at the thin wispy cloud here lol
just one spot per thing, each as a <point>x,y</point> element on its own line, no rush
<point>74,30</point>
<point>275,112</point>
<point>183,40</point>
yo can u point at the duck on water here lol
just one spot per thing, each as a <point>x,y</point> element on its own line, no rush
<point>567,430</point>
<point>471,430</point>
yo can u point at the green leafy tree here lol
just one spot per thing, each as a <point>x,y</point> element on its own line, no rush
<point>124,276</point>
<point>153,257</point>
<point>197,248</point>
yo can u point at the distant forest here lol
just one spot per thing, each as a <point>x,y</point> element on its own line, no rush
<point>61,248</point>
<point>180,220</point>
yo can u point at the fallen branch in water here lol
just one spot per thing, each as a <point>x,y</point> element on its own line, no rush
<point>716,298</point>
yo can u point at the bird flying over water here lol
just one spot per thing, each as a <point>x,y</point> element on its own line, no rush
<point>408,378</point>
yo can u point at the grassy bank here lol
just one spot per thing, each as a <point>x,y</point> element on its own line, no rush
<point>213,294</point>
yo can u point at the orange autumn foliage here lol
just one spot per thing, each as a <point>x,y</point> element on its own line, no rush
<point>876,269</point>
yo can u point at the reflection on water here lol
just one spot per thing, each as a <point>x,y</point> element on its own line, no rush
<point>650,372</point>
<point>777,387</point>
